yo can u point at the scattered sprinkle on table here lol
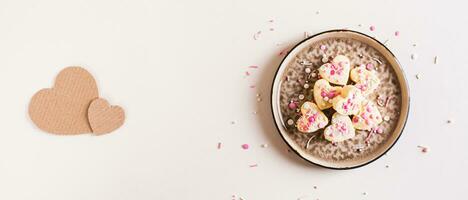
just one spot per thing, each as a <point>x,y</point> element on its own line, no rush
<point>317,12</point>
<point>414,56</point>
<point>245,146</point>
<point>233,122</point>
<point>254,112</point>
<point>306,34</point>
<point>449,121</point>
<point>364,193</point>
<point>247,73</point>
<point>257,35</point>
<point>423,148</point>
<point>397,33</point>
<point>219,145</point>
<point>254,165</point>
<point>264,145</point>
<point>387,166</point>
<point>372,28</point>
<point>435,60</point>
<point>418,76</point>
<point>252,86</point>
<point>253,66</point>
<point>315,187</point>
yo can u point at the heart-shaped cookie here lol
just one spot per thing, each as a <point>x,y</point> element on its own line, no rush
<point>368,116</point>
<point>105,118</point>
<point>337,71</point>
<point>312,118</point>
<point>63,109</point>
<point>340,129</point>
<point>349,101</point>
<point>366,80</point>
<point>324,94</point>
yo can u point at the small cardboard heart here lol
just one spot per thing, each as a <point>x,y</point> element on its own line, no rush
<point>368,117</point>
<point>312,118</point>
<point>324,93</point>
<point>63,108</point>
<point>349,101</point>
<point>337,71</point>
<point>341,129</point>
<point>366,80</point>
<point>105,118</point>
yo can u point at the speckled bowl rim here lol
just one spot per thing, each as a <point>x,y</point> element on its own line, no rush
<point>275,94</point>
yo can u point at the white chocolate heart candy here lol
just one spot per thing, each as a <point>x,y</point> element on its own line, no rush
<point>340,129</point>
<point>368,116</point>
<point>349,101</point>
<point>337,71</point>
<point>324,93</point>
<point>366,80</point>
<point>312,118</point>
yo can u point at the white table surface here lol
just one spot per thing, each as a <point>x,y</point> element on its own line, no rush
<point>178,69</point>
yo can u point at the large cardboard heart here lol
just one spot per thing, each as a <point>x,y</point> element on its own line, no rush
<point>63,108</point>
<point>105,118</point>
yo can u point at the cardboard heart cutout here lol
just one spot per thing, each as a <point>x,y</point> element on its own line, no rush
<point>337,71</point>
<point>349,101</point>
<point>105,118</point>
<point>366,80</point>
<point>324,93</point>
<point>312,118</point>
<point>340,129</point>
<point>63,109</point>
<point>368,117</point>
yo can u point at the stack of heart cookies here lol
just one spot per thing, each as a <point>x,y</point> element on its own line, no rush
<point>353,110</point>
<point>73,106</point>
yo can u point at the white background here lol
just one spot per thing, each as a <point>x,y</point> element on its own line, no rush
<point>178,69</point>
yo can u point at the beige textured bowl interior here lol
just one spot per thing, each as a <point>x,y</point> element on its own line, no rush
<point>404,99</point>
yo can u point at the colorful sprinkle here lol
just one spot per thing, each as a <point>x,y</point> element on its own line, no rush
<point>292,105</point>
<point>254,165</point>
<point>253,66</point>
<point>245,146</point>
<point>323,47</point>
<point>372,28</point>
<point>219,145</point>
<point>264,145</point>
<point>397,33</point>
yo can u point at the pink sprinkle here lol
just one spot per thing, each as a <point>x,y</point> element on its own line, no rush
<point>332,72</point>
<point>252,86</point>
<point>397,33</point>
<point>219,145</point>
<point>379,130</point>
<point>323,47</point>
<point>372,28</point>
<point>253,66</point>
<point>369,66</point>
<point>247,73</point>
<point>254,165</point>
<point>355,119</point>
<point>245,146</point>
<point>292,106</point>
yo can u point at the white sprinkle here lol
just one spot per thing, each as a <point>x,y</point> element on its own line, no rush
<point>414,56</point>
<point>301,96</point>
<point>325,98</point>
<point>418,76</point>
<point>435,60</point>
<point>449,121</point>
<point>254,112</point>
<point>258,95</point>
<point>386,118</point>
<point>290,122</point>
<point>259,99</point>
<point>264,145</point>
<point>325,59</point>
<point>307,70</point>
<point>233,122</point>
<point>314,74</point>
<point>306,86</point>
<point>364,193</point>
